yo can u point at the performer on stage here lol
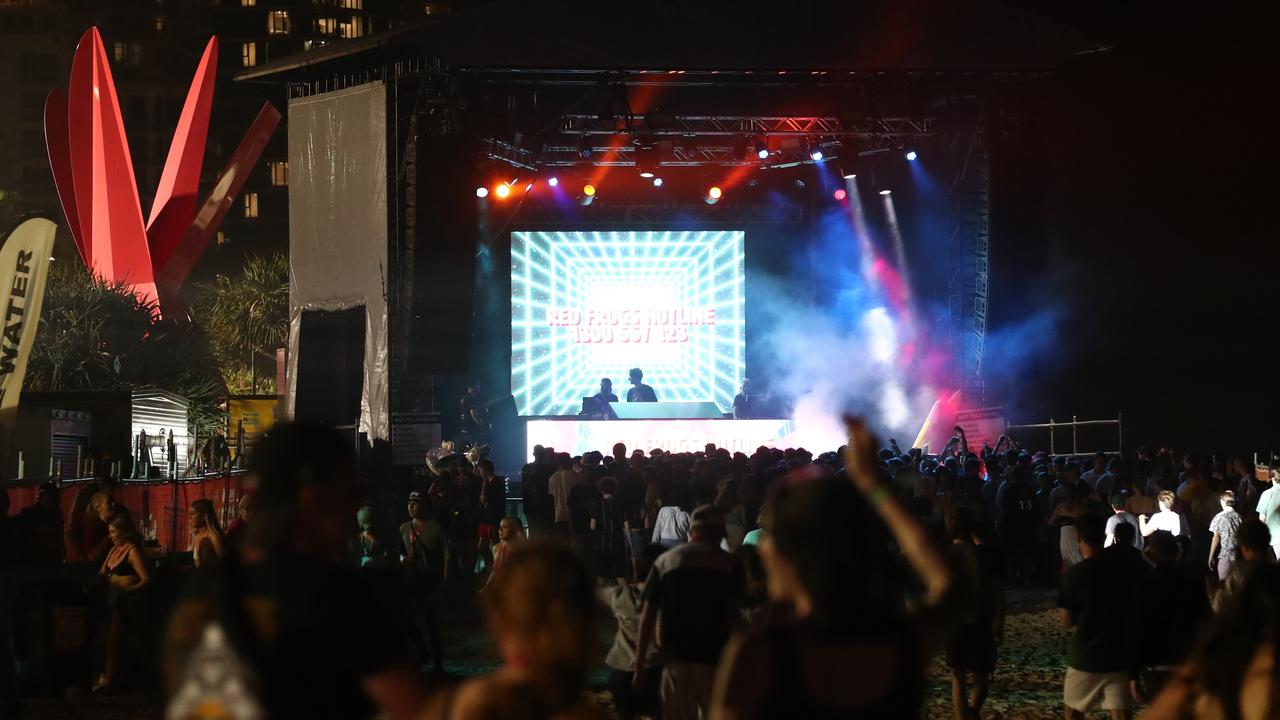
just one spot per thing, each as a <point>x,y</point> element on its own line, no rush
<point>744,403</point>
<point>606,393</point>
<point>639,391</point>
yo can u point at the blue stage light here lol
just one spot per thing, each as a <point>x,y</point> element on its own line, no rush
<point>553,181</point>
<point>482,192</point>
<point>912,155</point>
<point>657,182</point>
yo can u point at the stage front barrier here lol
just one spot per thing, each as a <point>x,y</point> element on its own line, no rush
<point>580,436</point>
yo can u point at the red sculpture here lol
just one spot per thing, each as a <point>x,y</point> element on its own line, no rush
<point>93,171</point>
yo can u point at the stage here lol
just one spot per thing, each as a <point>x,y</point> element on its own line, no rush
<point>576,436</point>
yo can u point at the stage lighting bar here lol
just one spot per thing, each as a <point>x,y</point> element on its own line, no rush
<point>759,126</point>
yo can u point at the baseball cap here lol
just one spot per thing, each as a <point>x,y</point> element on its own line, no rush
<point>417,495</point>
<point>1117,500</point>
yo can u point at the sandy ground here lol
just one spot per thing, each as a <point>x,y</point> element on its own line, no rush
<point>1029,668</point>
<point>1028,681</point>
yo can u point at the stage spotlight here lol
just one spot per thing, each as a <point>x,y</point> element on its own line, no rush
<point>815,154</point>
<point>584,148</point>
<point>589,190</point>
<point>713,195</point>
<point>553,181</point>
<point>799,184</point>
<point>502,191</point>
<point>646,154</point>
<point>885,192</point>
<point>912,155</point>
<point>657,182</point>
<point>482,192</point>
<point>840,194</point>
<point>762,150</point>
<point>846,168</point>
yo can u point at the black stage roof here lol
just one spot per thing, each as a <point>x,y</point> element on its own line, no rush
<point>800,36</point>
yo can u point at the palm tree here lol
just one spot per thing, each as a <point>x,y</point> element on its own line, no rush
<point>246,317</point>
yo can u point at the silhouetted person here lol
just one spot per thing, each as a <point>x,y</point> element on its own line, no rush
<point>639,392</point>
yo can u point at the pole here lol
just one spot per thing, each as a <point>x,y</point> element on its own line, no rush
<point>1075,436</point>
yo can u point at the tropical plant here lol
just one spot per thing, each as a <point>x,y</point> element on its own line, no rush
<point>246,316</point>
<point>98,336</point>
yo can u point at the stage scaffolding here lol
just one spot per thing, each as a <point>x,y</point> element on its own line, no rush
<point>969,251</point>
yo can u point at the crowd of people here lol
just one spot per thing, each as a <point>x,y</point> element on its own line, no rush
<point>778,584</point>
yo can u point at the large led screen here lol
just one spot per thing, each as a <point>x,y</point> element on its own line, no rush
<point>592,305</point>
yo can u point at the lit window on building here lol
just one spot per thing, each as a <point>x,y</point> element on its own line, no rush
<point>159,23</point>
<point>327,26</point>
<point>279,173</point>
<point>249,54</point>
<point>127,52</point>
<point>353,28</point>
<point>248,3</point>
<point>222,238</point>
<point>251,205</point>
<point>278,22</point>
<point>351,4</point>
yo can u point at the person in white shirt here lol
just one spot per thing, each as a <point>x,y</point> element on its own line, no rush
<point>1121,516</point>
<point>1269,510</point>
<point>671,528</point>
<point>1167,520</point>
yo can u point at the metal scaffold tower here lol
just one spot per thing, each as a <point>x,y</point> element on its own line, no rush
<point>970,253</point>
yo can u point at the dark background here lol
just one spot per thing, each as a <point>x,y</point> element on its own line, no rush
<point>1139,209</point>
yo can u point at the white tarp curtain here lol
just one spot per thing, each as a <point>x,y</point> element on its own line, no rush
<point>338,229</point>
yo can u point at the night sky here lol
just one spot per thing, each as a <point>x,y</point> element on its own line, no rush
<point>1141,209</point>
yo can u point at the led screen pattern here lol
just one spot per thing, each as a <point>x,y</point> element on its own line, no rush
<point>589,305</point>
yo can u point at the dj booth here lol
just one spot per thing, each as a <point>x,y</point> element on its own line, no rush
<point>670,426</point>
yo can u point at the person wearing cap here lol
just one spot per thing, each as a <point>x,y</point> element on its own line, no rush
<point>693,587</point>
<point>424,555</point>
<point>1122,516</point>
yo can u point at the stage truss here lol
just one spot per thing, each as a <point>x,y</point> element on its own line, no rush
<point>691,141</point>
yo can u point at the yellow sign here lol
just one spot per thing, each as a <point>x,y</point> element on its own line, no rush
<point>250,417</point>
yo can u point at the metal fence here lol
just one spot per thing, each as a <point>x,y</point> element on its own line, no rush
<point>1054,427</point>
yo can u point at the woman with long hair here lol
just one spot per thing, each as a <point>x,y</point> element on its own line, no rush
<point>208,543</point>
<point>1233,673</point>
<point>543,613</point>
<point>840,642</point>
<point>125,570</point>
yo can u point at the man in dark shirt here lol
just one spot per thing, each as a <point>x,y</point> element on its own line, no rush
<point>606,394</point>
<point>693,587</point>
<point>538,505</point>
<point>640,392</point>
<point>744,403</point>
<point>39,527</point>
<point>474,426</point>
<point>1096,599</point>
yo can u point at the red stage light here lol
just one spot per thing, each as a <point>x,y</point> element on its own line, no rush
<point>839,194</point>
<point>502,191</point>
<point>714,193</point>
